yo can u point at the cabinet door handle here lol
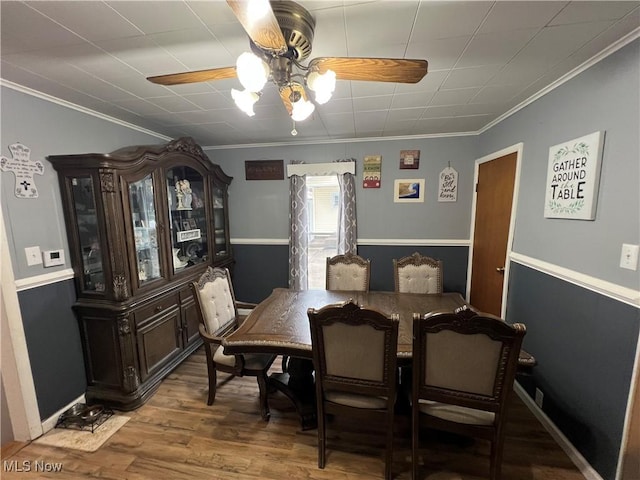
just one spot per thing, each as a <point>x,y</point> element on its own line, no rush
<point>500,269</point>
<point>159,308</point>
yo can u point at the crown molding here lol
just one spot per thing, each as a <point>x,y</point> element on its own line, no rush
<point>73,106</point>
<point>614,47</point>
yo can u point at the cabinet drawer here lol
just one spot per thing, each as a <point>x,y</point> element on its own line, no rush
<point>156,308</point>
<point>186,294</point>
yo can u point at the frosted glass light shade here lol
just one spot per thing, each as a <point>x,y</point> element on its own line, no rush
<point>245,100</point>
<point>302,109</point>
<point>252,71</point>
<point>322,85</point>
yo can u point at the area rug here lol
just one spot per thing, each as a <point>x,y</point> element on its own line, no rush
<point>83,439</point>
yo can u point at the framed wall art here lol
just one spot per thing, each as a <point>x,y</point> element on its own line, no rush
<point>372,169</point>
<point>573,177</point>
<point>409,159</point>
<point>264,169</point>
<point>408,190</point>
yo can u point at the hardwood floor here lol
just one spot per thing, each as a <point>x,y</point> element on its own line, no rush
<point>177,436</point>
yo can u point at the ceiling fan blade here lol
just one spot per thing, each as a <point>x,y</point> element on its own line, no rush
<point>264,31</point>
<point>286,93</point>
<point>372,69</point>
<point>193,77</point>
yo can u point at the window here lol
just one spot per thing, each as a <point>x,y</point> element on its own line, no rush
<point>322,198</point>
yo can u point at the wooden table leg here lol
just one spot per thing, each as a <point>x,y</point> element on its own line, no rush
<point>297,383</point>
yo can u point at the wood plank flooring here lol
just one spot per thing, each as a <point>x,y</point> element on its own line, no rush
<point>176,436</point>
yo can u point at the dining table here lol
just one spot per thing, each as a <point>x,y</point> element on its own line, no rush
<point>280,325</point>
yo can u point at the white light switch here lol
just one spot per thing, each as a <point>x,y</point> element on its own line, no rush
<point>33,255</point>
<point>629,256</point>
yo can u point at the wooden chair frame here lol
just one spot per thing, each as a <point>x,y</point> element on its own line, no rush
<point>465,323</point>
<point>259,364</point>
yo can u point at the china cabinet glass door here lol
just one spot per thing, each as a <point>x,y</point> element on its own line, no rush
<point>145,231</point>
<point>219,221</point>
<point>88,233</point>
<point>187,218</point>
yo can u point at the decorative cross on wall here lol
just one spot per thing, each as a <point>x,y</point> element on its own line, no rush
<point>24,169</point>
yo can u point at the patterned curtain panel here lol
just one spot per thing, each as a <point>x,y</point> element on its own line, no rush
<point>299,234</point>
<point>347,232</point>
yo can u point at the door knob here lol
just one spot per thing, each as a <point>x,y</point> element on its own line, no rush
<point>500,269</point>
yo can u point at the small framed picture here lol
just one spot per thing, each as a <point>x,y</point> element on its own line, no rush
<point>192,223</point>
<point>409,159</point>
<point>408,190</point>
<point>186,225</point>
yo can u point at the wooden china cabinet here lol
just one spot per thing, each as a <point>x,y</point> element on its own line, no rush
<point>143,222</point>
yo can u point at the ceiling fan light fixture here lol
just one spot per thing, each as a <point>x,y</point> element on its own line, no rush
<point>322,84</point>
<point>302,109</point>
<point>245,100</point>
<point>252,71</point>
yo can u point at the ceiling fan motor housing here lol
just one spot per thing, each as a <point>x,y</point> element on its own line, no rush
<point>297,27</point>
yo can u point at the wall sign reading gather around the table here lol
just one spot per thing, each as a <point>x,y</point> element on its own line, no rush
<point>572,178</point>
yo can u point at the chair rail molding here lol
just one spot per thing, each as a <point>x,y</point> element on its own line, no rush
<point>609,289</point>
<point>418,242</point>
<point>42,280</point>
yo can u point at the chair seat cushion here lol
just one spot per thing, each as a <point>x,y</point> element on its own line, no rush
<point>257,361</point>
<point>455,413</point>
<point>252,361</point>
<point>356,400</point>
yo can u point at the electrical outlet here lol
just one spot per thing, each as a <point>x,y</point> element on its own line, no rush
<point>629,256</point>
<point>33,256</point>
<point>539,397</point>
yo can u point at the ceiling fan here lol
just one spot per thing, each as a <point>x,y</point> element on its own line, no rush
<point>281,37</point>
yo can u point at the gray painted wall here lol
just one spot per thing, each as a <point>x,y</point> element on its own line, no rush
<point>48,129</point>
<point>585,345</point>
<point>261,210</point>
<point>604,98</point>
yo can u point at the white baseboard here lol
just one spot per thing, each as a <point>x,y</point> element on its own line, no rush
<point>576,457</point>
<point>50,422</point>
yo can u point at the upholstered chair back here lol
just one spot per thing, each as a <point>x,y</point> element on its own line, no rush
<point>452,362</point>
<point>348,272</point>
<point>417,274</point>
<point>216,300</point>
<point>354,351</point>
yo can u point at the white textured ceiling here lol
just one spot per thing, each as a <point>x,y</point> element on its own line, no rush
<point>485,59</point>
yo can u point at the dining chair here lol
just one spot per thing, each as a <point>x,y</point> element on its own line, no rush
<point>218,311</point>
<point>348,272</point>
<point>464,366</point>
<point>417,273</point>
<point>354,357</point>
